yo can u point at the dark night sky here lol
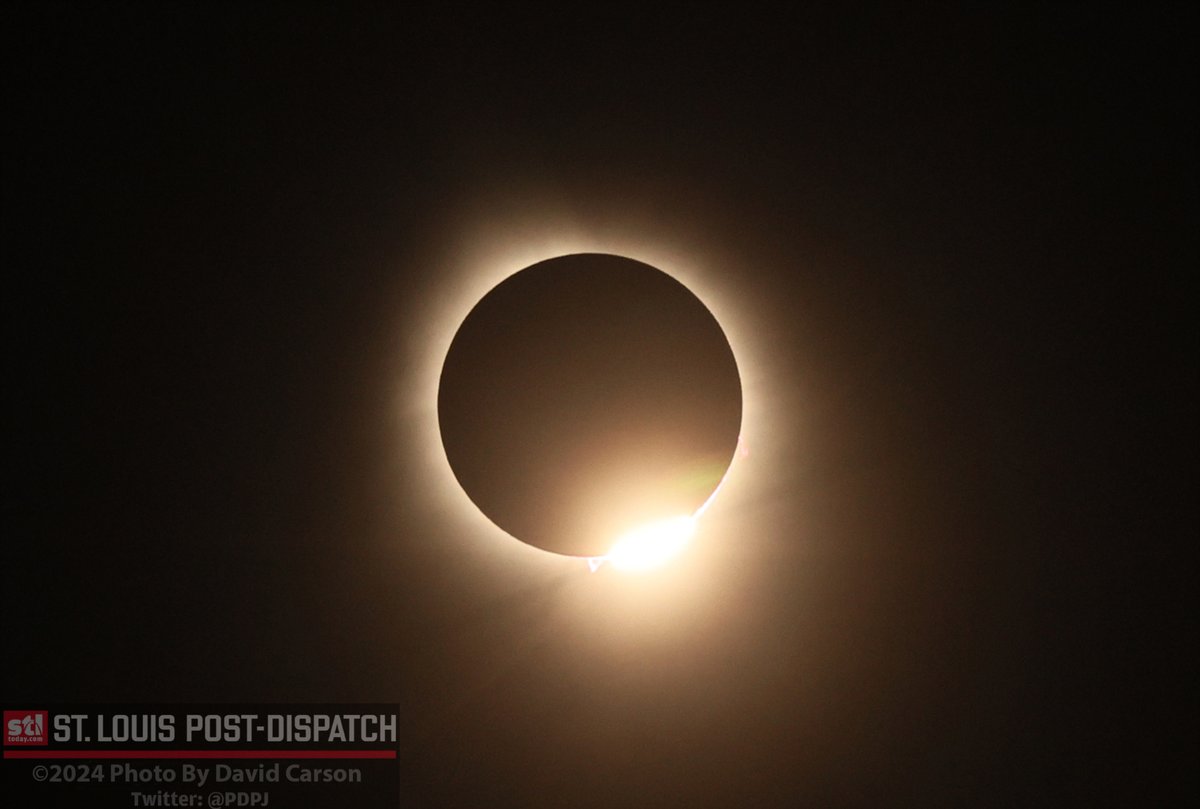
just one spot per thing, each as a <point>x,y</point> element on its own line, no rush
<point>964,573</point>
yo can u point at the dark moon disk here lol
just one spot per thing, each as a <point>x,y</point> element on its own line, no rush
<point>587,395</point>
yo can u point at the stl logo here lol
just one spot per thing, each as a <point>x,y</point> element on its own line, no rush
<point>24,727</point>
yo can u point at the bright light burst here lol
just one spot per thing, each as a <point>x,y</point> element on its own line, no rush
<point>652,545</point>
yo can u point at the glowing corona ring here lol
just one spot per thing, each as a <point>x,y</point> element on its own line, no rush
<point>487,255</point>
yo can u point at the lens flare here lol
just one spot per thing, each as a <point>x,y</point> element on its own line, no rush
<point>650,546</point>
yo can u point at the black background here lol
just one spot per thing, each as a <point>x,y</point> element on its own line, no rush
<point>964,576</point>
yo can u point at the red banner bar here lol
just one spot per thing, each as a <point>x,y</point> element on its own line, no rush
<point>148,754</point>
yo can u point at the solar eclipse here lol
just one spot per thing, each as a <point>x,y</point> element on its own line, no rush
<point>587,399</point>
